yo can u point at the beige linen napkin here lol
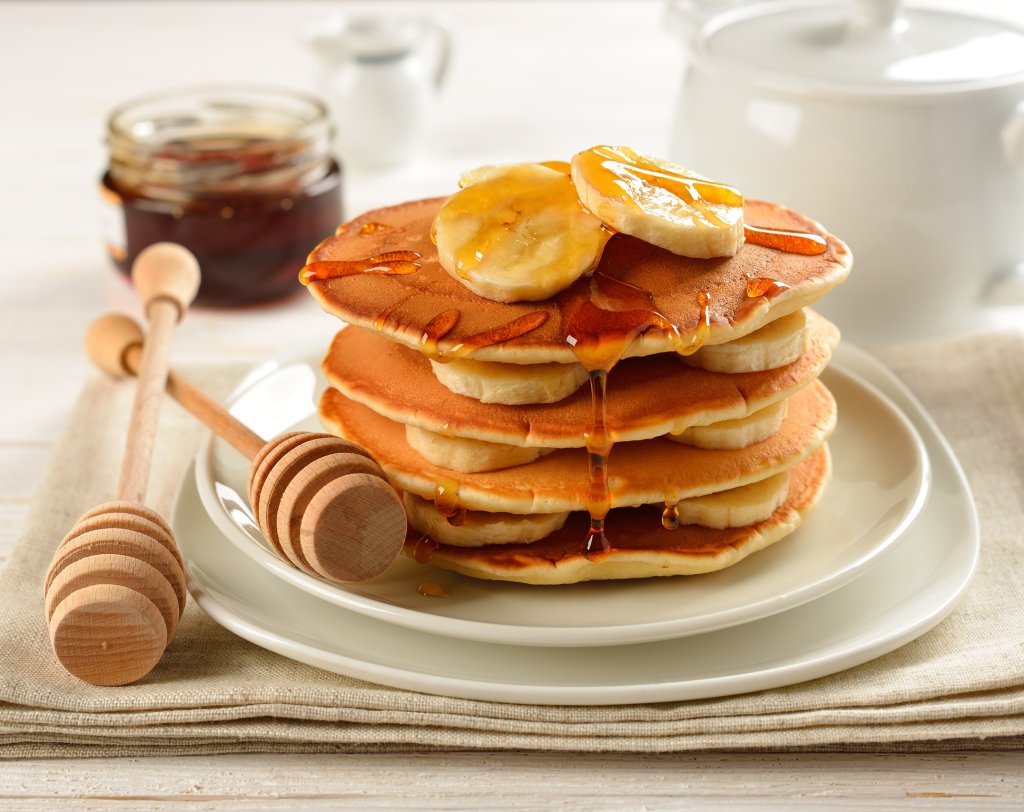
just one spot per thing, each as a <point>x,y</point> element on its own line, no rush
<point>959,686</point>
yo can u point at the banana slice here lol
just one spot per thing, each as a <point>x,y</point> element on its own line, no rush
<point>479,528</point>
<point>511,384</point>
<point>778,343</point>
<point>660,202</point>
<point>736,507</point>
<point>466,455</point>
<point>738,433</point>
<point>517,233</point>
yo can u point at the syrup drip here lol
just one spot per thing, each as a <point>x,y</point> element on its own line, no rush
<point>458,518</point>
<point>436,329</point>
<point>446,499</point>
<point>558,166</point>
<point>432,589</point>
<point>441,325</point>
<point>393,263</point>
<point>381,321</point>
<point>516,328</point>
<point>372,228</point>
<point>700,335</point>
<point>423,549</point>
<point>601,316</point>
<point>670,516</point>
<point>762,286</point>
<point>792,242</point>
<point>599,447</point>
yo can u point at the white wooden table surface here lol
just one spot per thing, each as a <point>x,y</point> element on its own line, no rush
<point>528,80</point>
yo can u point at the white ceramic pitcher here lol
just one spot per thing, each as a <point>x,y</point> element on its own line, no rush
<point>380,76</point>
<point>901,129</point>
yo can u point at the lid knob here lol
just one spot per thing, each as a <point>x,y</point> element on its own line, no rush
<point>874,16</point>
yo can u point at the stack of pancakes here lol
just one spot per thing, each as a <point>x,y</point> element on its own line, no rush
<point>714,417</point>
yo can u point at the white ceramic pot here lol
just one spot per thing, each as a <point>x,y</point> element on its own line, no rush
<point>901,130</point>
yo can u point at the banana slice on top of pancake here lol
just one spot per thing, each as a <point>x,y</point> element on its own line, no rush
<point>517,233</point>
<point>660,202</point>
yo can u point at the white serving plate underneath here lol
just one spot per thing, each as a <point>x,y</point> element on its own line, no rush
<point>879,484</point>
<point>913,587</point>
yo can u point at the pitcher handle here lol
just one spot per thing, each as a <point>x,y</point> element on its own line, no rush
<point>443,41</point>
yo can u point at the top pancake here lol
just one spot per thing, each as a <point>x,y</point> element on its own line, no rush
<point>401,306</point>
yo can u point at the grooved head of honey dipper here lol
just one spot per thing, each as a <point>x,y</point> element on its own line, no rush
<point>108,340</point>
<point>108,634</point>
<point>353,528</point>
<point>120,534</point>
<point>166,270</point>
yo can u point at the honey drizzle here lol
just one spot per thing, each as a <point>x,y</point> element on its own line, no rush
<point>436,329</point>
<point>764,287</point>
<point>432,589</point>
<point>506,199</point>
<point>558,166</point>
<point>423,549</point>
<point>601,317</point>
<point>392,263</point>
<point>516,328</point>
<point>372,228</point>
<point>381,321</point>
<point>599,448</point>
<point>627,176</point>
<point>792,242</point>
<point>442,324</point>
<point>670,516</point>
<point>446,500</point>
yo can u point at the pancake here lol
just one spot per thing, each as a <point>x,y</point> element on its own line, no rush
<point>402,305</point>
<point>647,397</point>
<point>645,472</point>
<point>736,507</point>
<point>641,547</point>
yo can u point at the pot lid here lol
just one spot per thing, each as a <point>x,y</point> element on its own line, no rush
<point>866,45</point>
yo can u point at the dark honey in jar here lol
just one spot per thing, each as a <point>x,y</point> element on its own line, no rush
<point>242,177</point>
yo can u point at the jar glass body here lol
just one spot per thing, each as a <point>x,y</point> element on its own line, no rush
<point>242,177</point>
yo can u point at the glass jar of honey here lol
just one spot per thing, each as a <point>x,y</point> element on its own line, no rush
<point>241,176</point>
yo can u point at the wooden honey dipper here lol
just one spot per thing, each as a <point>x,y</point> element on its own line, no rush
<point>322,503</point>
<point>115,589</point>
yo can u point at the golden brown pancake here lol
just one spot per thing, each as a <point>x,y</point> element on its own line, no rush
<point>641,547</point>
<point>403,305</point>
<point>643,472</point>
<point>647,397</point>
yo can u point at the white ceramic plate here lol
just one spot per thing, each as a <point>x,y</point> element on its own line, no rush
<point>913,587</point>
<point>879,484</point>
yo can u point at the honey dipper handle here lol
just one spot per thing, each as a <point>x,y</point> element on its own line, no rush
<point>214,416</point>
<point>114,344</point>
<point>153,366</point>
<point>166,277</point>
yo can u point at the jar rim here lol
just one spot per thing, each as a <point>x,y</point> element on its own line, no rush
<point>317,116</point>
<point>217,139</point>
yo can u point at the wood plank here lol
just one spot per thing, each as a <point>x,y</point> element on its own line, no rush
<point>519,781</point>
